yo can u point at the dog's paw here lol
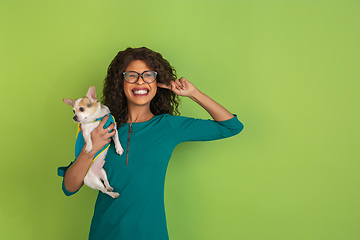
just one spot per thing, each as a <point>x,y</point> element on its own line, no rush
<point>119,151</point>
<point>88,150</point>
<point>110,189</point>
<point>113,194</point>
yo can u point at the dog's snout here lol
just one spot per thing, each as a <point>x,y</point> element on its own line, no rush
<point>75,118</point>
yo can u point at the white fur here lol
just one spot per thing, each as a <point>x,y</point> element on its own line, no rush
<point>96,171</point>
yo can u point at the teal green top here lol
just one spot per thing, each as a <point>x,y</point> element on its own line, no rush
<point>139,212</point>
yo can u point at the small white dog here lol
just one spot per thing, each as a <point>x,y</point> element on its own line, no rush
<point>88,112</point>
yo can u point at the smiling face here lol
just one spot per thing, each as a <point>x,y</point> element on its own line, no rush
<point>139,93</point>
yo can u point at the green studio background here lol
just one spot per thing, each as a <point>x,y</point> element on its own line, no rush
<point>289,69</point>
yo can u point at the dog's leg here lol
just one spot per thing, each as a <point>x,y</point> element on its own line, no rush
<point>103,177</point>
<point>118,147</point>
<point>96,174</point>
<point>111,194</point>
<point>96,183</point>
<point>87,139</point>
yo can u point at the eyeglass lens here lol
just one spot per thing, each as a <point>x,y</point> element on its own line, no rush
<point>133,77</point>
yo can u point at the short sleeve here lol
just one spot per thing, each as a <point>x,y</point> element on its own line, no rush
<point>191,129</point>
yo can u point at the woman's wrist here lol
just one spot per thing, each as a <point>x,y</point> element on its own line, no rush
<point>217,112</point>
<point>195,95</point>
<point>86,155</point>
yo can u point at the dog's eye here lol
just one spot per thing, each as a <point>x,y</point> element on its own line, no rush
<point>81,109</point>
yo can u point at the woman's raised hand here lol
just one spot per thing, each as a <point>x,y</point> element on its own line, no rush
<point>181,87</point>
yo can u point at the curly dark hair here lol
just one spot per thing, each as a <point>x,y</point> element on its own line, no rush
<point>165,100</point>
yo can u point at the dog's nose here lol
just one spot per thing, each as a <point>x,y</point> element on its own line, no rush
<point>75,118</point>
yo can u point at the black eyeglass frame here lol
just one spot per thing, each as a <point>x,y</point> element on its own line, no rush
<point>138,76</point>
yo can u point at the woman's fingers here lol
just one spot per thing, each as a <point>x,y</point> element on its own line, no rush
<point>103,121</point>
<point>102,136</point>
<point>183,82</point>
<point>105,132</point>
<point>162,85</point>
<point>110,130</point>
<point>178,84</point>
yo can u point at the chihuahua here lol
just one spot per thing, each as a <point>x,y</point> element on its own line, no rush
<point>88,112</point>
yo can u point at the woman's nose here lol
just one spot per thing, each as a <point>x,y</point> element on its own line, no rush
<point>140,81</point>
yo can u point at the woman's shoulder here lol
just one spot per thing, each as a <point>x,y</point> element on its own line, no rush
<point>168,117</point>
<point>168,120</point>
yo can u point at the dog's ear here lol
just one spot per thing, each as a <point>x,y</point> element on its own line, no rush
<point>70,102</point>
<point>91,94</point>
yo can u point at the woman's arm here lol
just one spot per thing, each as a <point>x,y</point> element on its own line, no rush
<point>183,87</point>
<point>75,174</point>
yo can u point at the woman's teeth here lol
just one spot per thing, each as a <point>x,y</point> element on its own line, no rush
<point>140,91</point>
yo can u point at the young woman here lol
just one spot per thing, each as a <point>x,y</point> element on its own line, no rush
<point>141,90</point>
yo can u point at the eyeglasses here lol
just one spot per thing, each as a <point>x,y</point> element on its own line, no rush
<point>133,77</point>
